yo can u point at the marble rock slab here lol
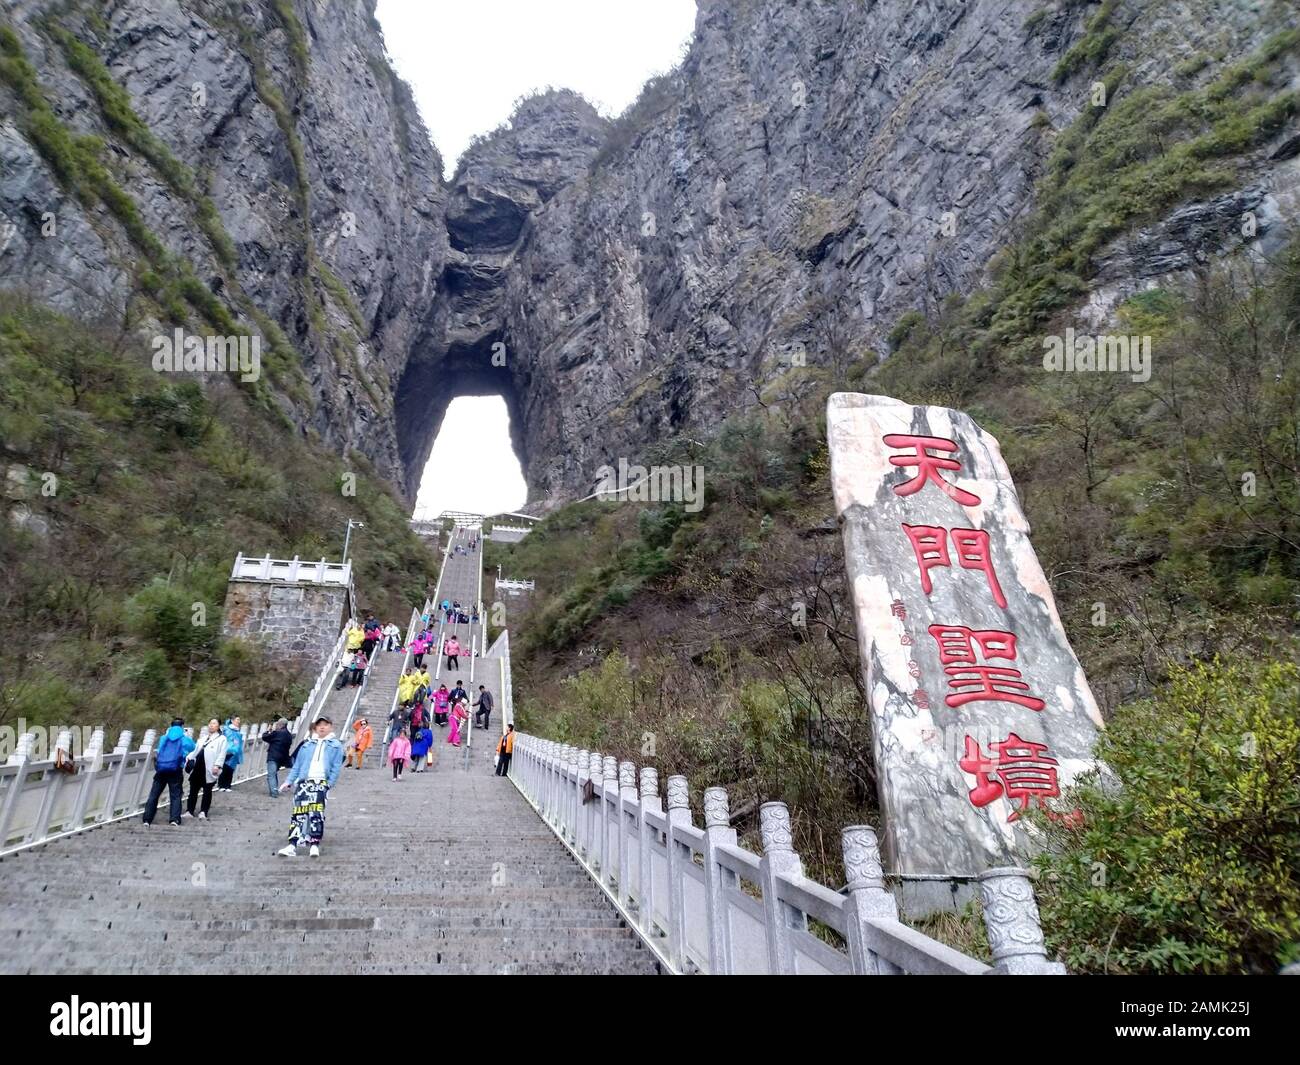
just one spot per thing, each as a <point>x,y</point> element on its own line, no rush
<point>959,751</point>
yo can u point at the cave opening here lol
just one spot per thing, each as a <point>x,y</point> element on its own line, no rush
<point>472,465</point>
<point>459,431</point>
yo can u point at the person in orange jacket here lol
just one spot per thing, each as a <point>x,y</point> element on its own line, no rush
<point>362,738</point>
<point>505,748</point>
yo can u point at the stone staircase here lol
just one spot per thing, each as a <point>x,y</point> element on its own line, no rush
<point>448,871</point>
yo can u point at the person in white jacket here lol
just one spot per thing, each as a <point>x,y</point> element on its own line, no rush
<point>204,766</point>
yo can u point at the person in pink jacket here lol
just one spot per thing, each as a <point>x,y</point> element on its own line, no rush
<point>452,650</point>
<point>398,752</point>
<point>419,646</point>
<point>441,699</point>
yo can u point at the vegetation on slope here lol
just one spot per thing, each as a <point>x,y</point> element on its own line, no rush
<point>1165,512</point>
<point>150,485</point>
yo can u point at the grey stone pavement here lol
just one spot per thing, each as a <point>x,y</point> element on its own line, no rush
<point>447,871</point>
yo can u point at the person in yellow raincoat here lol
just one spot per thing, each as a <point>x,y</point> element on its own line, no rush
<point>406,685</point>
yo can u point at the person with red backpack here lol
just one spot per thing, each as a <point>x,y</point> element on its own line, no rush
<point>169,762</point>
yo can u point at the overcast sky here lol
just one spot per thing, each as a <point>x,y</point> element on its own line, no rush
<point>467,62</point>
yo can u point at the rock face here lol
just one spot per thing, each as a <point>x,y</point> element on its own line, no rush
<point>810,172</point>
<point>312,153</point>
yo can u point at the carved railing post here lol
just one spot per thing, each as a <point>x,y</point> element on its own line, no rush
<point>557,787</point>
<point>562,791</point>
<point>595,774</point>
<point>1011,920</point>
<point>679,813</point>
<point>92,761</point>
<point>53,785</point>
<point>544,789</point>
<point>868,899</point>
<point>608,813</point>
<point>123,753</point>
<point>20,758</point>
<point>717,830</point>
<point>645,880</point>
<point>142,772</point>
<point>779,857</point>
<point>582,774</point>
<point>626,810</point>
<point>573,796</point>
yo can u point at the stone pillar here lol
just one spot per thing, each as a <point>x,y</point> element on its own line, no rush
<point>1011,920</point>
<point>946,585</point>
<point>869,899</point>
<point>717,831</point>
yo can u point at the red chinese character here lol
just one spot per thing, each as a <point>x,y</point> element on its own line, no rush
<point>922,698</point>
<point>1022,769</point>
<point>898,609</point>
<point>973,553</point>
<point>905,640</point>
<point>970,681</point>
<point>928,466</point>
<point>930,546</point>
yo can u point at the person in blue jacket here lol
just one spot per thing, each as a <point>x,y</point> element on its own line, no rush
<point>421,741</point>
<point>234,753</point>
<point>169,772</point>
<point>315,769</point>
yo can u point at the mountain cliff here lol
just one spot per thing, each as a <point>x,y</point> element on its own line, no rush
<point>763,214</point>
<point>812,172</point>
<point>250,167</point>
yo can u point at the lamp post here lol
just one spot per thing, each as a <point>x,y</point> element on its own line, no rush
<point>347,539</point>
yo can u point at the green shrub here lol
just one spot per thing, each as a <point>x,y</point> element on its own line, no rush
<point>1189,864</point>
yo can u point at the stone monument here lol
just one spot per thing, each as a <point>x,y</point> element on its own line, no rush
<point>980,709</point>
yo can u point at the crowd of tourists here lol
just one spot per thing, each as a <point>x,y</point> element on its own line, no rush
<point>211,759</point>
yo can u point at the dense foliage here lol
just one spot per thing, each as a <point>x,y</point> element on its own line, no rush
<point>137,489</point>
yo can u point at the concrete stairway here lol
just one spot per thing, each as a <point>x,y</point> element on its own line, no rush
<point>447,871</point>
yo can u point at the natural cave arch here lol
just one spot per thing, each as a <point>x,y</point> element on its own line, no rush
<point>428,386</point>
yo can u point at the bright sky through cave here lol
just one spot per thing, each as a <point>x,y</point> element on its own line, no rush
<point>467,62</point>
<point>472,466</point>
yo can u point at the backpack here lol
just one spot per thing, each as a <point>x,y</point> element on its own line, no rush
<point>169,753</point>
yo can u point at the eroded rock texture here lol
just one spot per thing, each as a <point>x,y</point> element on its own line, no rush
<point>812,170</point>
<point>334,205</point>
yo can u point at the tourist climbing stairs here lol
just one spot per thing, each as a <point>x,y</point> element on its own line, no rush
<point>446,871</point>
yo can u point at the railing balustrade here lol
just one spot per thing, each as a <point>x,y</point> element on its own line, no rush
<point>40,802</point>
<point>704,903</point>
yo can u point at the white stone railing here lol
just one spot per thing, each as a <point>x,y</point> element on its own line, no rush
<point>703,903</point>
<point>320,690</point>
<point>40,802</point>
<point>291,570</point>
